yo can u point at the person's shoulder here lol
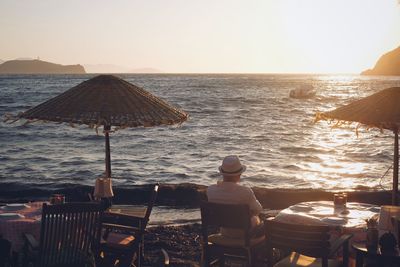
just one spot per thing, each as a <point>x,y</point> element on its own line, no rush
<point>244,188</point>
<point>212,187</point>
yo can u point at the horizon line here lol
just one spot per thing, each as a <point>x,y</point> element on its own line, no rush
<point>200,73</point>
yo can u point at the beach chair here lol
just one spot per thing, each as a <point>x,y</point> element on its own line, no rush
<point>123,236</point>
<point>69,236</point>
<point>218,248</point>
<point>307,245</point>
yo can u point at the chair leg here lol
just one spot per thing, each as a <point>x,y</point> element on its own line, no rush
<point>251,258</point>
<point>324,262</point>
<point>14,259</point>
<point>5,251</point>
<point>221,260</point>
<point>205,257</point>
<point>135,260</point>
<point>270,255</point>
<point>140,254</point>
<point>346,254</point>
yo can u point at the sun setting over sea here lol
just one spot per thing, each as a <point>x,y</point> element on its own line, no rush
<point>251,75</point>
<point>130,128</point>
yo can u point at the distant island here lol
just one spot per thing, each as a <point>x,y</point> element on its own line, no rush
<point>37,66</point>
<point>388,64</point>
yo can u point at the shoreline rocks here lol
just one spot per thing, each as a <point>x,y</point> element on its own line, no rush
<point>180,195</point>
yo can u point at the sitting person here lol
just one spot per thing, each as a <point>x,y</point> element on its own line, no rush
<point>229,191</point>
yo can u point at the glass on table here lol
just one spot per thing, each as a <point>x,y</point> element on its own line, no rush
<point>57,199</point>
<point>340,199</point>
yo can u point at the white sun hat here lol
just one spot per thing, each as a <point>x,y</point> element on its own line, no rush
<point>231,166</point>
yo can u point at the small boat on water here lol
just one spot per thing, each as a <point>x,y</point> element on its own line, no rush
<point>303,91</point>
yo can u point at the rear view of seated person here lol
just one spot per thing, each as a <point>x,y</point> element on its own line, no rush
<point>229,191</point>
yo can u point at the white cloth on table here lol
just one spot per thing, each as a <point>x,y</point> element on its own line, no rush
<point>350,219</point>
<point>13,229</point>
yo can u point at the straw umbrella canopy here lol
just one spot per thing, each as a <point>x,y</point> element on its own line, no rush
<point>380,110</point>
<point>107,101</point>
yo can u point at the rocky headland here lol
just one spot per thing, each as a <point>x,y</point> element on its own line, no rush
<point>38,67</point>
<point>388,64</point>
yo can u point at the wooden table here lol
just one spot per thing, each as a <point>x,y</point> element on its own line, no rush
<point>378,258</point>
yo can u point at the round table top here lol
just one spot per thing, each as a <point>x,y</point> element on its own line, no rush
<point>352,215</point>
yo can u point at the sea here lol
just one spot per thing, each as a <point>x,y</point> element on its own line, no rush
<point>249,115</point>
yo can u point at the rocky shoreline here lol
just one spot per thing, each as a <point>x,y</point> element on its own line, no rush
<point>182,243</point>
<point>180,195</point>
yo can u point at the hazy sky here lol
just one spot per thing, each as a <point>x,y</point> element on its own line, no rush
<point>273,36</point>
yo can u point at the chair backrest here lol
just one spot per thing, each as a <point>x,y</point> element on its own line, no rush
<point>130,225</point>
<point>236,216</point>
<point>150,204</point>
<point>70,233</point>
<point>310,240</point>
<point>132,221</point>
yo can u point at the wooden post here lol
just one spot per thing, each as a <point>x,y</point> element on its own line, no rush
<point>395,168</point>
<point>108,152</point>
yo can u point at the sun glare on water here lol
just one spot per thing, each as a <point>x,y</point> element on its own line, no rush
<point>340,170</point>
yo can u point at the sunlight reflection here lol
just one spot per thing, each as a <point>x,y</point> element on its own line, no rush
<point>336,78</point>
<point>336,169</point>
<point>337,137</point>
<point>339,168</point>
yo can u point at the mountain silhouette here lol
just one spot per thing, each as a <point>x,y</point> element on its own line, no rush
<point>388,64</point>
<point>38,67</point>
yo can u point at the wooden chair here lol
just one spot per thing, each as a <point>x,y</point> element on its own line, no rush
<point>123,236</point>
<point>308,245</point>
<point>69,235</point>
<point>217,247</point>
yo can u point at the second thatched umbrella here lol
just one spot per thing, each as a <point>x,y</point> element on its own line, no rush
<point>380,110</point>
<point>107,101</point>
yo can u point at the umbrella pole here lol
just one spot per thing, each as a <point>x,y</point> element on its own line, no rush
<point>108,153</point>
<point>395,168</point>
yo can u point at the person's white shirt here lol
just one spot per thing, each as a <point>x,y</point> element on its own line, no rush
<point>233,193</point>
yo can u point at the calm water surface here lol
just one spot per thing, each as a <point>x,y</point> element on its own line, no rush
<point>248,115</point>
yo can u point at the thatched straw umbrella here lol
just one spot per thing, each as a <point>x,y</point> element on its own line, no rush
<point>107,101</point>
<point>380,110</point>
